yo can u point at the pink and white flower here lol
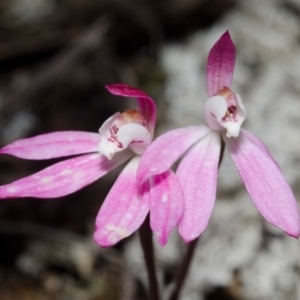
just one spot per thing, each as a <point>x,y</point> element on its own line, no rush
<point>197,171</point>
<point>122,137</point>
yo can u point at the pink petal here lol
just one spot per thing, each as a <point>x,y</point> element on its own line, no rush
<point>123,210</point>
<point>220,64</point>
<point>55,144</point>
<point>63,178</point>
<point>166,206</point>
<point>265,183</point>
<point>197,174</point>
<point>166,149</point>
<point>146,104</point>
<point>257,142</point>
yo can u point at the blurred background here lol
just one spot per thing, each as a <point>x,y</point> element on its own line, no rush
<point>55,58</point>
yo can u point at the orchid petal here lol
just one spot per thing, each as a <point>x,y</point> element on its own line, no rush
<point>220,64</point>
<point>166,149</point>
<point>257,142</point>
<point>197,174</point>
<point>55,144</point>
<point>265,184</point>
<point>166,206</point>
<point>123,210</point>
<point>146,104</point>
<point>63,178</point>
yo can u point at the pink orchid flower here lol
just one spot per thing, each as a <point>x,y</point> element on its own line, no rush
<point>122,137</point>
<point>197,171</point>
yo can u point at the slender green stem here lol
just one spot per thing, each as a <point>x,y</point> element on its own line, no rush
<point>148,249</point>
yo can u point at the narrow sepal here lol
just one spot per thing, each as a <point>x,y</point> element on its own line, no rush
<point>52,145</point>
<point>166,205</point>
<point>62,178</point>
<point>166,149</point>
<point>197,174</point>
<point>265,183</point>
<point>220,64</point>
<point>124,209</point>
<point>258,143</point>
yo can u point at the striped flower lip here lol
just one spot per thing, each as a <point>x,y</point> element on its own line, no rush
<point>124,130</point>
<point>225,112</point>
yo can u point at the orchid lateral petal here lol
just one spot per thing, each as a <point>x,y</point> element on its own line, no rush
<point>166,149</point>
<point>123,210</point>
<point>197,174</point>
<point>258,143</point>
<point>146,104</point>
<point>166,204</point>
<point>220,64</point>
<point>55,144</point>
<point>62,178</point>
<point>265,183</point>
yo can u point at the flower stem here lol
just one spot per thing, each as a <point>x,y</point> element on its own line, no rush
<point>183,269</point>
<point>221,152</point>
<point>147,246</point>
